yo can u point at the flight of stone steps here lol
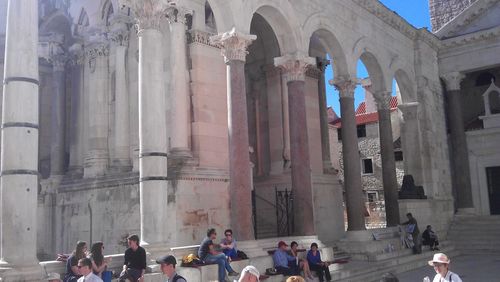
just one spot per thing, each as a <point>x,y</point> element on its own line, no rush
<point>476,234</point>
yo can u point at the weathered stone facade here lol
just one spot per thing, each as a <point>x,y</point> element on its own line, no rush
<point>443,11</point>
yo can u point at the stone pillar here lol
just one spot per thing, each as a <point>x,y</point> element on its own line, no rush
<point>383,100</point>
<point>121,155</point>
<point>459,151</point>
<point>156,230</point>
<point>410,141</point>
<point>58,115</point>
<point>322,64</point>
<point>294,68</point>
<point>234,49</point>
<point>19,152</point>
<point>181,131</point>
<point>77,109</point>
<point>97,156</point>
<point>350,156</point>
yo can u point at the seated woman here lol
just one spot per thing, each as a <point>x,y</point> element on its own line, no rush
<point>228,244</point>
<point>99,263</point>
<point>299,264</point>
<point>72,272</point>
<point>429,238</point>
<point>316,264</point>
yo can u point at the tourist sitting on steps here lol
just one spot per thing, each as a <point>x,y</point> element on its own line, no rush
<point>429,238</point>
<point>316,264</point>
<point>85,266</point>
<point>134,265</point>
<point>298,263</point>
<point>99,263</point>
<point>281,260</point>
<point>208,254</point>
<point>167,265</point>
<point>72,271</point>
<point>228,244</point>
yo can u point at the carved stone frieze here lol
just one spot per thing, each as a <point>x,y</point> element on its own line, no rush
<point>148,13</point>
<point>294,66</point>
<point>201,37</point>
<point>233,44</point>
<point>475,37</point>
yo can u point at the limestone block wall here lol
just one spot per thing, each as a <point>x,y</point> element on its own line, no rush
<point>443,11</point>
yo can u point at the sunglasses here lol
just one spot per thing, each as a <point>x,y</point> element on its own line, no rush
<point>228,235</point>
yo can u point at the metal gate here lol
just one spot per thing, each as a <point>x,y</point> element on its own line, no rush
<point>284,212</point>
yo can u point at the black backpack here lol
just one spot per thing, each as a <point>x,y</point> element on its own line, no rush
<point>176,277</point>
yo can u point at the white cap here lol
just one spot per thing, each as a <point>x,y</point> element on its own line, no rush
<point>251,270</point>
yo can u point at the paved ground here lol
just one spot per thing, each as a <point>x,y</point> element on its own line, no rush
<point>471,268</point>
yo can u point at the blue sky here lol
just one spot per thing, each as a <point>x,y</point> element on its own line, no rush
<point>416,12</point>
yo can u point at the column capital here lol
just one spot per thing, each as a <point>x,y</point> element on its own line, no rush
<point>453,80</point>
<point>177,14</point>
<point>119,30</point>
<point>322,63</point>
<point>383,99</point>
<point>409,110</point>
<point>58,62</point>
<point>233,44</point>
<point>294,66</point>
<point>345,86</point>
<point>77,54</point>
<point>148,13</point>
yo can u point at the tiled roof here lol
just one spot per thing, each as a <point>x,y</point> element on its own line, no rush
<point>364,118</point>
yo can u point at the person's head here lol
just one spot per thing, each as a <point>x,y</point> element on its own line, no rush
<point>96,252</point>
<point>53,277</point>
<point>249,274</point>
<point>85,266</point>
<point>282,245</point>
<point>228,233</point>
<point>314,247</point>
<point>295,279</point>
<point>133,241</point>
<point>294,245</point>
<point>429,227</point>
<point>211,233</point>
<point>167,265</point>
<point>440,262</point>
<point>80,250</point>
<point>409,215</point>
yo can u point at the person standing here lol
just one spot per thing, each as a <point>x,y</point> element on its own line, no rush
<point>167,265</point>
<point>441,264</point>
<point>134,266</point>
<point>412,228</point>
<point>317,265</point>
<point>85,267</point>
<point>208,254</point>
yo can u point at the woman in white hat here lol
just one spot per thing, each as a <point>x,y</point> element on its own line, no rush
<point>441,264</point>
<point>249,274</point>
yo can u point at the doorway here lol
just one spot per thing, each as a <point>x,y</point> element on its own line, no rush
<point>493,176</point>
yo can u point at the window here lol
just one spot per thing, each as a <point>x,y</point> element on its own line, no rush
<point>361,130</point>
<point>339,134</point>
<point>372,196</point>
<point>367,166</point>
<point>398,156</point>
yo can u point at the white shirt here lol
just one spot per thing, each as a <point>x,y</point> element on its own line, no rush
<point>450,277</point>
<point>91,277</point>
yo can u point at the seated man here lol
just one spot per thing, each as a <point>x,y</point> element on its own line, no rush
<point>429,238</point>
<point>134,265</point>
<point>228,244</point>
<point>208,254</point>
<point>281,258</point>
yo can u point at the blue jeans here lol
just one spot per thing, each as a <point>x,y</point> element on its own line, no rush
<point>221,260</point>
<point>232,253</point>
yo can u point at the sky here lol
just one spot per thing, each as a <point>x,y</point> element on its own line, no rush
<point>416,12</point>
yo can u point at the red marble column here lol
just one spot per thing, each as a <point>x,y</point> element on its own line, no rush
<point>234,47</point>
<point>294,67</point>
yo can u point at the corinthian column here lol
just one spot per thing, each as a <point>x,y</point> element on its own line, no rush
<point>58,115</point>
<point>234,49</point>
<point>350,156</point>
<point>19,152</point>
<point>77,109</point>
<point>180,110</point>
<point>322,64</point>
<point>121,157</point>
<point>389,180</point>
<point>156,229</point>
<point>459,153</point>
<point>294,67</point>
<point>97,157</point>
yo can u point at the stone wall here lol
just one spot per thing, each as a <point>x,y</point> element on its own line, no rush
<point>443,11</point>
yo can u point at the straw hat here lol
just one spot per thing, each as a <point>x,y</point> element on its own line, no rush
<point>439,258</point>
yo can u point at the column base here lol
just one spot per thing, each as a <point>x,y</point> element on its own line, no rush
<point>12,273</point>
<point>328,168</point>
<point>180,153</point>
<point>96,164</point>
<point>121,165</point>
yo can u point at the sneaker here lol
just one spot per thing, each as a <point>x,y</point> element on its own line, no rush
<point>233,273</point>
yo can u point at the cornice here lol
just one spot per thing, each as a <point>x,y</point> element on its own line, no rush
<point>201,37</point>
<point>475,37</point>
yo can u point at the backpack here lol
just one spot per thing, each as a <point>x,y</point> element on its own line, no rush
<point>177,277</point>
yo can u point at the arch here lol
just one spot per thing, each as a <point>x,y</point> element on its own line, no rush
<point>375,71</point>
<point>107,11</point>
<point>329,43</point>
<point>406,86</point>
<point>222,14</point>
<point>82,22</point>
<point>210,21</point>
<point>58,22</point>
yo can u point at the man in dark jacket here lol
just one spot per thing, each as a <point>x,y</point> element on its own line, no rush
<point>134,266</point>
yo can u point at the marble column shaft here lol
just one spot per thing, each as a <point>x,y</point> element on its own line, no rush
<point>294,68</point>
<point>97,157</point>
<point>76,118</point>
<point>19,152</point>
<point>389,179</point>
<point>121,156</point>
<point>460,157</point>
<point>181,131</point>
<point>234,49</point>
<point>350,156</point>
<point>322,64</point>
<point>410,141</point>
<point>58,116</point>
